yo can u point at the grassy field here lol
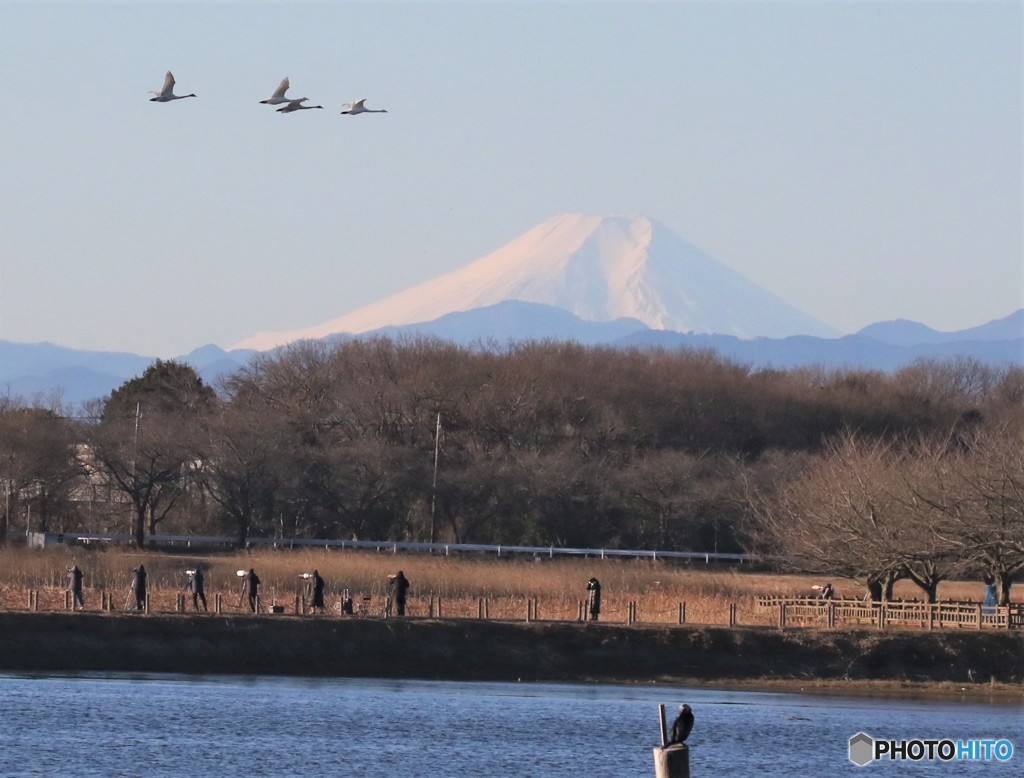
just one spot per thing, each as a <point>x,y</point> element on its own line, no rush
<point>557,586</point>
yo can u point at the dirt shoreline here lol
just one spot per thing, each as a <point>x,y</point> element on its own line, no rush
<point>892,663</point>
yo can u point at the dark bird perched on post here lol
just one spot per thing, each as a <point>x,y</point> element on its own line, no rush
<point>682,725</point>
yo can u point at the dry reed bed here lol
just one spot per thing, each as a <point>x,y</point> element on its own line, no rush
<point>460,583</point>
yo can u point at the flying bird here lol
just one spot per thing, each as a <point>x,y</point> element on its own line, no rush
<point>682,725</point>
<point>166,94</point>
<point>356,106</point>
<point>297,105</point>
<point>278,97</point>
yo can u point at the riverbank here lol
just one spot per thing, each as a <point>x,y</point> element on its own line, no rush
<point>984,663</point>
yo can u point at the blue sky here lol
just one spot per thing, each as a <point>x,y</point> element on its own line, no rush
<point>862,161</point>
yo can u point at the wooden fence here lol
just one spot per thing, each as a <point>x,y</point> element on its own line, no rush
<point>763,611</point>
<point>830,614</point>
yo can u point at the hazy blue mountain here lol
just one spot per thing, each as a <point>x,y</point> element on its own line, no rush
<point>902,332</point>
<point>850,351</point>
<point>514,320</point>
<point>47,371</point>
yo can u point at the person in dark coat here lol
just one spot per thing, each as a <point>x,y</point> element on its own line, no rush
<point>139,587</point>
<point>346,603</point>
<point>317,586</point>
<point>398,586</point>
<point>75,584</point>
<point>251,584</point>
<point>195,585</point>
<point>594,598</point>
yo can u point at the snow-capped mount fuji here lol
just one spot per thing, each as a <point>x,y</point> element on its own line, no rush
<point>599,268</point>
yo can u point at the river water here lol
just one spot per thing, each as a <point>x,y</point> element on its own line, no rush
<point>159,725</point>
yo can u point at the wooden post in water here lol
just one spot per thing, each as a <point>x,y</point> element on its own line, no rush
<point>782,615</point>
<point>672,761</point>
<point>217,603</point>
<point>682,613</point>
<point>67,601</point>
<point>732,614</point>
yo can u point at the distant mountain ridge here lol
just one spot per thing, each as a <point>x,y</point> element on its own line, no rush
<point>45,370</point>
<point>902,332</point>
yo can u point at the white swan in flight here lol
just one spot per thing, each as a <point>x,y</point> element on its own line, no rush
<point>297,105</point>
<point>278,97</point>
<point>166,94</point>
<point>356,106</point>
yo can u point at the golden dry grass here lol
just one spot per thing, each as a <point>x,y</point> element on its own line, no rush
<point>458,583</point>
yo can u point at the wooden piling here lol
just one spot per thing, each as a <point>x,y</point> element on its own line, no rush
<point>682,613</point>
<point>661,720</point>
<point>732,614</point>
<point>67,601</point>
<point>672,761</point>
<point>217,603</point>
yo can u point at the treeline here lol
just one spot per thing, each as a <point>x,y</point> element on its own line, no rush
<point>537,443</point>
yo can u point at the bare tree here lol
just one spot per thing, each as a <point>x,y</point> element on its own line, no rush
<point>974,487</point>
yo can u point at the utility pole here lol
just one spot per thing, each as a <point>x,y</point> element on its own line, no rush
<point>433,488</point>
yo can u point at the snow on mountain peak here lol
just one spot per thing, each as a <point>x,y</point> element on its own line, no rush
<point>599,268</point>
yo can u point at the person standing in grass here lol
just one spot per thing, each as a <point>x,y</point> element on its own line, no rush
<point>75,581</point>
<point>398,586</point>
<point>251,584</point>
<point>195,585</point>
<point>594,598</point>
<point>317,587</point>
<point>139,587</point>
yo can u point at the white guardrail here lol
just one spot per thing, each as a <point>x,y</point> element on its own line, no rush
<point>39,539</point>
